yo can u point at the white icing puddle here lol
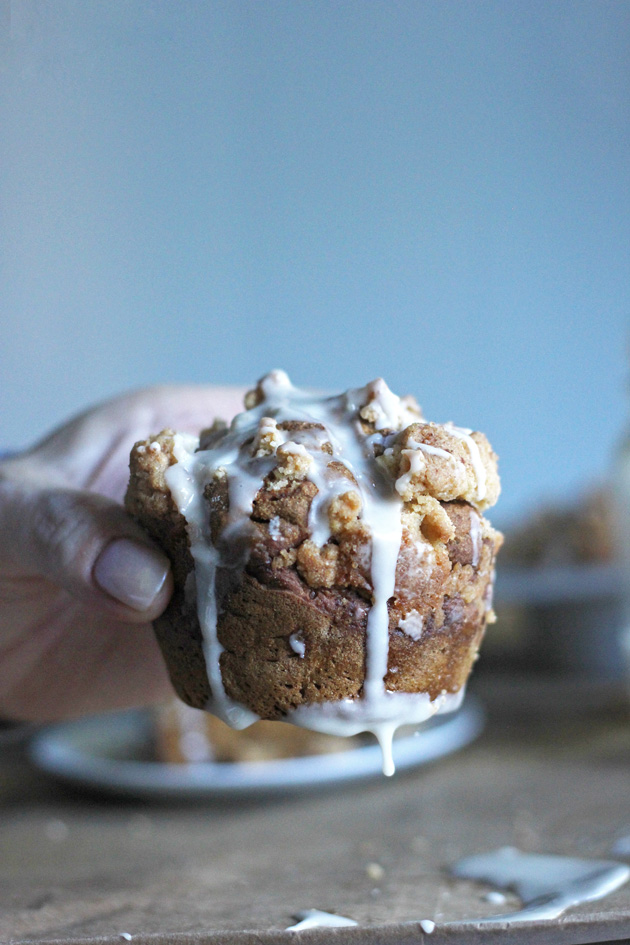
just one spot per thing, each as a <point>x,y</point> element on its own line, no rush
<point>548,885</point>
<point>316,919</point>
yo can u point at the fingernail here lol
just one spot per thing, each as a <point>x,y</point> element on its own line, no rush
<point>130,572</point>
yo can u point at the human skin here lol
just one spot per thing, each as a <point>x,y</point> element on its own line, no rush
<point>80,582</point>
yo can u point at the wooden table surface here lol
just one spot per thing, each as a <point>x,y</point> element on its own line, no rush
<point>550,774</point>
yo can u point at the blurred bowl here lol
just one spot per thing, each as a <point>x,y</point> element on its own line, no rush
<point>563,620</point>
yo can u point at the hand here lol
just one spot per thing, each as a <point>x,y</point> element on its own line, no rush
<point>80,582</point>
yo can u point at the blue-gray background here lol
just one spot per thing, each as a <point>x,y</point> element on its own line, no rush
<point>435,192</point>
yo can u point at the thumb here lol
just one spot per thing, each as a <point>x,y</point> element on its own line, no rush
<point>86,544</point>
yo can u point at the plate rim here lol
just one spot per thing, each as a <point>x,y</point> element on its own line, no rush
<point>52,750</point>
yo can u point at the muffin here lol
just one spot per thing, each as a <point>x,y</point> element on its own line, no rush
<point>331,560</point>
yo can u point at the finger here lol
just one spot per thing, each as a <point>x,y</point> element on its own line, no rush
<point>86,544</point>
<point>142,413</point>
<point>92,450</point>
<point>189,408</point>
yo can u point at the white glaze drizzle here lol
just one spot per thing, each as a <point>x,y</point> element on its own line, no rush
<point>548,885</point>
<point>476,537</point>
<point>243,458</point>
<point>475,456</point>
<point>427,926</point>
<point>429,450</point>
<point>381,716</point>
<point>186,479</point>
<point>417,463</point>
<point>489,592</point>
<point>316,919</point>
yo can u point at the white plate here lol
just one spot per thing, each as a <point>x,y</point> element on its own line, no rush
<point>106,753</point>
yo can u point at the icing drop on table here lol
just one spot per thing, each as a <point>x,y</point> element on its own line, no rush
<point>548,885</point>
<point>316,919</point>
<point>496,898</point>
